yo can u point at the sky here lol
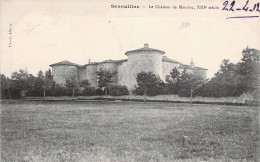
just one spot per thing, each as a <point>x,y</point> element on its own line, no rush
<point>46,32</point>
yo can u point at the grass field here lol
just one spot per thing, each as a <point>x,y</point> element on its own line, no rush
<point>127,131</point>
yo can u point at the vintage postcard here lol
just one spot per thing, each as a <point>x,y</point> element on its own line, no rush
<point>121,80</point>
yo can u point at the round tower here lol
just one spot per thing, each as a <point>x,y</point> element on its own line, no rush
<point>144,59</point>
<point>62,71</point>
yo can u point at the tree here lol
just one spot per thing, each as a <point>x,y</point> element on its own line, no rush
<point>173,83</point>
<point>189,83</point>
<point>43,82</point>
<point>20,81</point>
<point>248,70</point>
<point>72,83</point>
<point>86,89</point>
<point>118,90</point>
<point>40,75</point>
<point>48,75</point>
<point>84,84</point>
<point>39,84</point>
<point>224,82</point>
<point>20,75</point>
<point>105,78</point>
<point>148,84</point>
<point>235,79</point>
<point>5,87</point>
<point>49,83</point>
<point>193,83</point>
<point>184,76</point>
<point>174,75</point>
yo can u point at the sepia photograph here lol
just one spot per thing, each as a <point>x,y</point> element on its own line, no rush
<point>120,80</point>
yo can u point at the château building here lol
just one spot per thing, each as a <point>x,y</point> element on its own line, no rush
<point>144,59</point>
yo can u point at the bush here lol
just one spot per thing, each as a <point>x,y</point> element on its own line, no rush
<point>213,89</point>
<point>15,93</point>
<point>170,89</point>
<point>138,91</point>
<point>184,92</point>
<point>89,91</point>
<point>61,91</point>
<point>118,90</point>
<point>153,91</point>
<point>149,83</point>
<point>35,92</point>
<point>99,91</point>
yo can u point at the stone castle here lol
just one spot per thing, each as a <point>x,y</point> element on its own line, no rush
<point>143,59</point>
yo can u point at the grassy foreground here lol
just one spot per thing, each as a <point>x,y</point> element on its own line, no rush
<point>127,131</point>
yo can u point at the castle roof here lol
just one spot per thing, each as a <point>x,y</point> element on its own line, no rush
<point>112,61</point>
<point>166,59</point>
<point>65,62</point>
<point>106,61</point>
<point>144,49</point>
<point>184,66</point>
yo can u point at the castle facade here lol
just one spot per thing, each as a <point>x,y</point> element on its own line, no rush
<point>143,59</point>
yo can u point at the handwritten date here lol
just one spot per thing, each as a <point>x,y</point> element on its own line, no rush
<point>226,7</point>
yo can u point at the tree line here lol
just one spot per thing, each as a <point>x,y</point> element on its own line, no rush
<point>235,79</point>
<point>22,84</point>
<point>232,79</point>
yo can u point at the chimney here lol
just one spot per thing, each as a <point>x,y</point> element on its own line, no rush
<point>192,63</point>
<point>89,61</point>
<point>146,45</point>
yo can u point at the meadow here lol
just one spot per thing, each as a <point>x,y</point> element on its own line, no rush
<point>127,131</point>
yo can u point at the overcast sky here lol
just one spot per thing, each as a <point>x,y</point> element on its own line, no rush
<point>46,33</point>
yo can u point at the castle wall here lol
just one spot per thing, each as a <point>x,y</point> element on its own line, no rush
<point>82,73</point>
<point>122,75</point>
<point>143,61</point>
<point>63,72</point>
<point>126,71</point>
<point>189,71</point>
<point>91,74</point>
<point>167,68</point>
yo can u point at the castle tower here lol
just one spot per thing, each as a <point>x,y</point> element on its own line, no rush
<point>63,70</point>
<point>143,59</point>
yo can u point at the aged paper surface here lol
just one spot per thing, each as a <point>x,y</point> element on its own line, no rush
<point>35,34</point>
<point>45,32</point>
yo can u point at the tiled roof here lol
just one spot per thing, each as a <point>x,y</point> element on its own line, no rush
<point>166,59</point>
<point>199,68</point>
<point>91,63</point>
<point>65,62</point>
<point>184,66</point>
<point>145,49</point>
<point>106,61</point>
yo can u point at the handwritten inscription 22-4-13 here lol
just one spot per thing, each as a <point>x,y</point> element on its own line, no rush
<point>247,7</point>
